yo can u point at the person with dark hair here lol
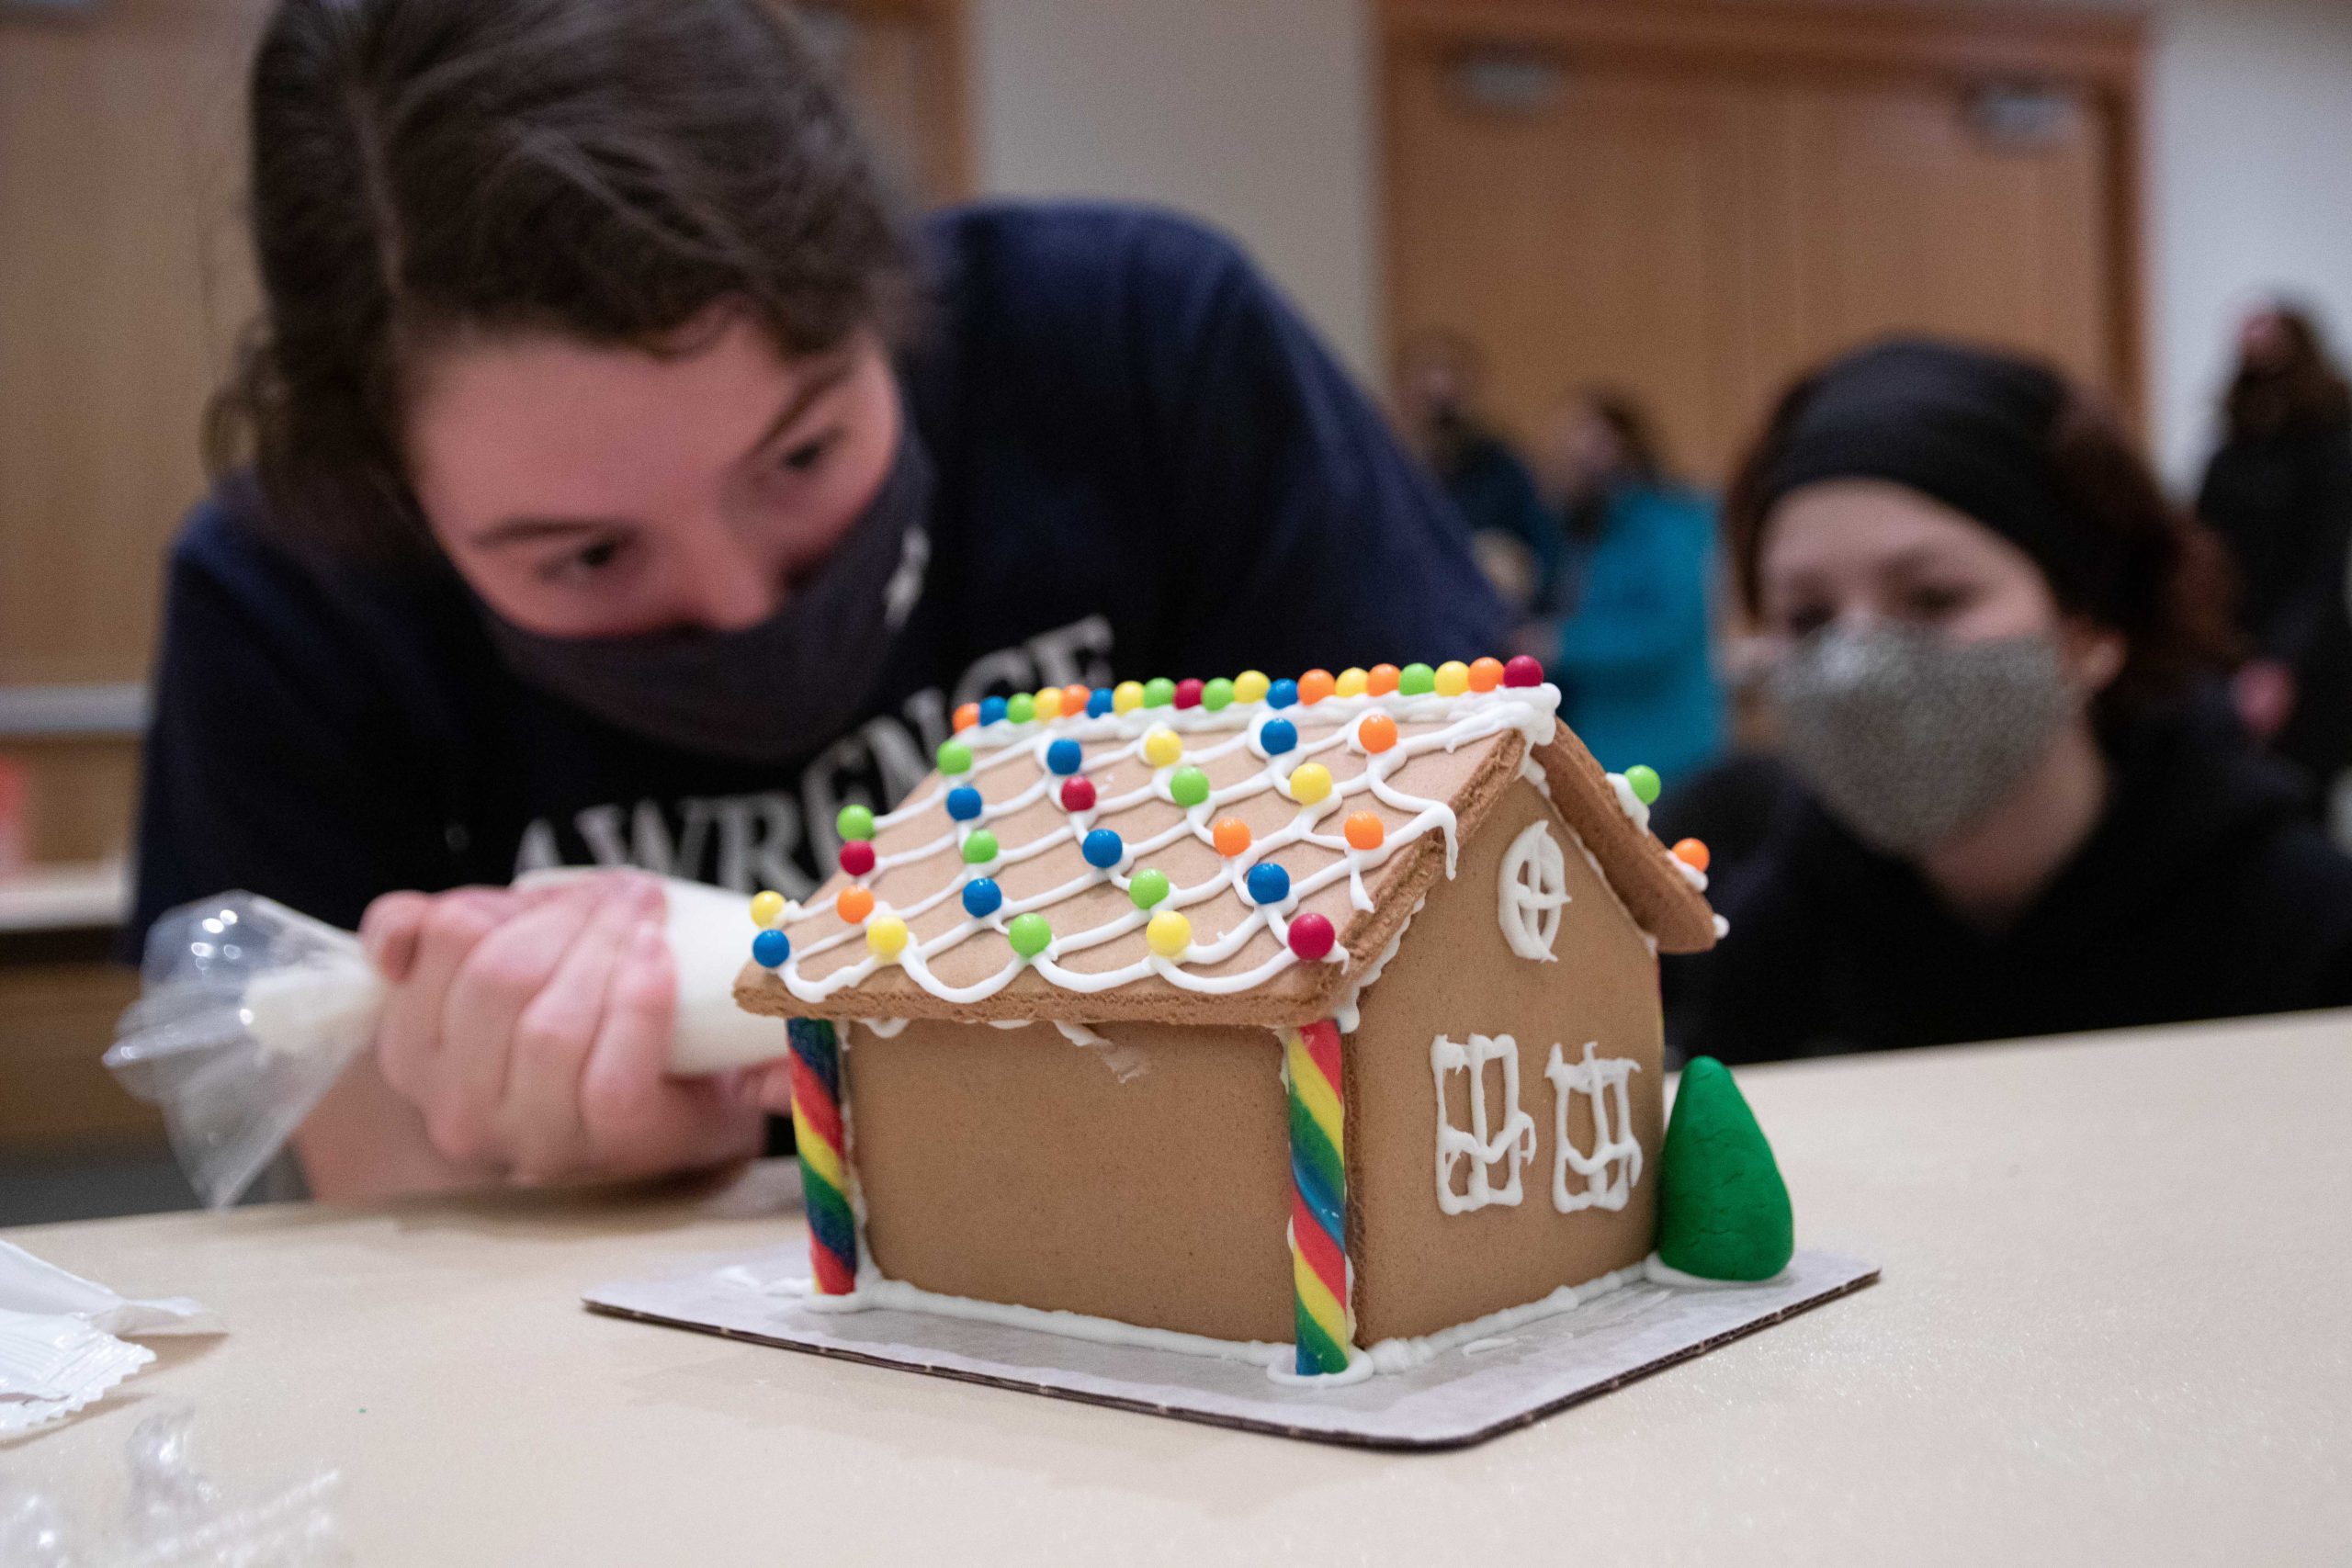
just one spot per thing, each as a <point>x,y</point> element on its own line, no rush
<point>2008,816</point>
<point>1634,655</point>
<point>616,477</point>
<point>1518,540</point>
<point>2279,491</point>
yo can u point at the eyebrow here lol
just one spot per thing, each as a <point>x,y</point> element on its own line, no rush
<point>531,530</point>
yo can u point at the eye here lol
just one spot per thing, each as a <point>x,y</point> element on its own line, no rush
<point>591,561</point>
<point>802,458</point>
<point>1936,601</point>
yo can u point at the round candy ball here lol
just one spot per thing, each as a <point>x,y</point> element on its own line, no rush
<point>857,857</point>
<point>1644,782</point>
<point>1170,933</point>
<point>1281,694</point>
<point>1188,786</point>
<point>1316,684</point>
<point>964,804</point>
<point>1161,747</point>
<point>1075,698</point>
<point>1268,882</point>
<point>1159,692</point>
<point>1188,692</point>
<point>991,709</point>
<point>1078,793</point>
<point>1365,831</point>
<point>1381,678</point>
<point>1103,848</point>
<point>1217,694</point>
<point>1099,701</point>
<point>1486,674</point>
<point>886,936</point>
<point>1126,696</point>
<point>1311,937</point>
<point>954,757</point>
<point>1063,756</point>
<point>1019,707</point>
<point>966,716</point>
<point>769,949</point>
<point>1351,683</point>
<point>979,847</point>
<point>1450,679</point>
<point>855,903</point>
<point>1376,732</point>
<point>856,822</point>
<point>1249,686</point>
<point>1148,887</point>
<point>1415,681</point>
<point>1692,854</point>
<point>1047,702</point>
<point>1030,934</point>
<point>1310,782</point>
<point>982,897</point>
<point>1278,736</point>
<point>766,907</point>
<point>1522,670</point>
<point>1231,836</point>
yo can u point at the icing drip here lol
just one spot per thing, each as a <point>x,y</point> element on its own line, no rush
<point>1513,1143</point>
<point>1459,721</point>
<point>1723,928</point>
<point>1614,1166</point>
<point>1347,1015</point>
<point>1691,873</point>
<point>1531,891</point>
<point>1629,802</point>
<point>883,1028</point>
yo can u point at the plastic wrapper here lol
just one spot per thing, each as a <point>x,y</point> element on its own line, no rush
<point>64,1340</point>
<point>249,1011</point>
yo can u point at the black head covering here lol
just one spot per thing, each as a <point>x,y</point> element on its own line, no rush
<point>1964,426</point>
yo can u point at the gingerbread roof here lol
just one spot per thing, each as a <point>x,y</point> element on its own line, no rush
<point>1112,865</point>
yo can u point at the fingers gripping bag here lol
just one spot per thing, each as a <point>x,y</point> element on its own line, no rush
<point>248,1011</point>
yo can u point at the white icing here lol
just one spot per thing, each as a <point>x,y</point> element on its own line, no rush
<point>883,1028</point>
<point>1614,1166</point>
<point>1512,1145</point>
<point>1691,873</point>
<point>1629,802</point>
<point>1533,772</point>
<point>1347,1015</point>
<point>1532,890</point>
<point>1723,928</point>
<point>1460,720</point>
<point>1658,1271</point>
<point>1403,1355</point>
<point>1485,1347</point>
<point>1286,1371</point>
<point>1127,1063</point>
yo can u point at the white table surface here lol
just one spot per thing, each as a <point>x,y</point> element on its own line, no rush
<point>2113,1328</point>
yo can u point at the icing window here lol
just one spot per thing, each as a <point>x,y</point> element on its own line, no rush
<point>1479,1124</point>
<point>1534,887</point>
<point>1606,1174</point>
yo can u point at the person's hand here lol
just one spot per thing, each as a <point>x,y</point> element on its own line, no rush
<point>531,1030</point>
<point>2264,692</point>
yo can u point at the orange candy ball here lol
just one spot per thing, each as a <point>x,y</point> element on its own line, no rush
<point>1486,674</point>
<point>1380,680</point>
<point>1365,830</point>
<point>1692,854</point>
<point>1074,699</point>
<point>855,903</point>
<point>968,717</point>
<point>1232,837</point>
<point>1376,732</point>
<point>1316,684</point>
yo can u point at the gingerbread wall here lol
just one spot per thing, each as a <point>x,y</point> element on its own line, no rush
<point>1012,1164</point>
<point>1419,1269</point>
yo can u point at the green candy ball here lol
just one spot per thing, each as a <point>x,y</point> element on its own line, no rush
<point>1029,934</point>
<point>1188,786</point>
<point>1415,680</point>
<point>1159,693</point>
<point>856,822</point>
<point>954,757</point>
<point>1148,887</point>
<point>1217,694</point>
<point>1643,781</point>
<point>1021,708</point>
<point>979,848</point>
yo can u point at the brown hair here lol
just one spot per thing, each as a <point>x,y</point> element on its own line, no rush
<point>1637,434</point>
<point>2305,389</point>
<point>2170,591</point>
<point>609,170</point>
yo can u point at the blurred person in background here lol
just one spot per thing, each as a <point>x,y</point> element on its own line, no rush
<point>2009,815</point>
<point>1635,656</point>
<point>1440,378</point>
<point>2279,491</point>
<point>615,478</point>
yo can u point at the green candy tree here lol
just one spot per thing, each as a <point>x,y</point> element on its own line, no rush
<point>1722,1209</point>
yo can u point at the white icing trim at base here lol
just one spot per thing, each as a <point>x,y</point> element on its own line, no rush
<point>1658,1271</point>
<point>1284,1371</point>
<point>1403,1355</point>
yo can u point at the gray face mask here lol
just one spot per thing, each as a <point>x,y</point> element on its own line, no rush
<point>771,692</point>
<point>1907,738</point>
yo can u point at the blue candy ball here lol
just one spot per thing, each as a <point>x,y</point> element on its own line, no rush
<point>1098,702</point>
<point>991,709</point>
<point>1269,884</point>
<point>982,897</point>
<point>1277,736</point>
<point>1063,756</point>
<point>964,803</point>
<point>769,949</point>
<point>1103,848</point>
<point>1281,694</point>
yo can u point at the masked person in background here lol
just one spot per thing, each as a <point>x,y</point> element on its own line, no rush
<point>615,478</point>
<point>2013,818</point>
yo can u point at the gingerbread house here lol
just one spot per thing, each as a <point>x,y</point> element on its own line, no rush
<point>1292,1018</point>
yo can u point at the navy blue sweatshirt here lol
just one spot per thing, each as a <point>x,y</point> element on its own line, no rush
<point>1146,465</point>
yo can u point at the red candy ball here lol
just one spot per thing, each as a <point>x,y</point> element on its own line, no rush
<point>1522,671</point>
<point>1188,693</point>
<point>857,857</point>
<point>1078,793</point>
<point>1311,937</point>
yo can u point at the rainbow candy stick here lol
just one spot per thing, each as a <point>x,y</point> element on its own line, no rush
<point>824,1153</point>
<point>1319,1206</point>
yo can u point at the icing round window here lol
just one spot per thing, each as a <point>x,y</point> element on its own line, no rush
<point>1533,888</point>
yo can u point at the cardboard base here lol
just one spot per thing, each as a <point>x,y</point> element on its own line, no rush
<point>1464,1396</point>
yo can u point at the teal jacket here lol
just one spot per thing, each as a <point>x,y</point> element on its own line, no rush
<point>1636,658</point>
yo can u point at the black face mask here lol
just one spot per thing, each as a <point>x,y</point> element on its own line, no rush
<point>771,692</point>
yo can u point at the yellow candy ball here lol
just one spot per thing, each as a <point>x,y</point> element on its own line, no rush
<point>1162,748</point>
<point>1126,696</point>
<point>767,909</point>
<point>1309,782</point>
<point>1249,686</point>
<point>1170,933</point>
<point>1453,677</point>
<point>1049,702</point>
<point>886,936</point>
<point>1351,682</point>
